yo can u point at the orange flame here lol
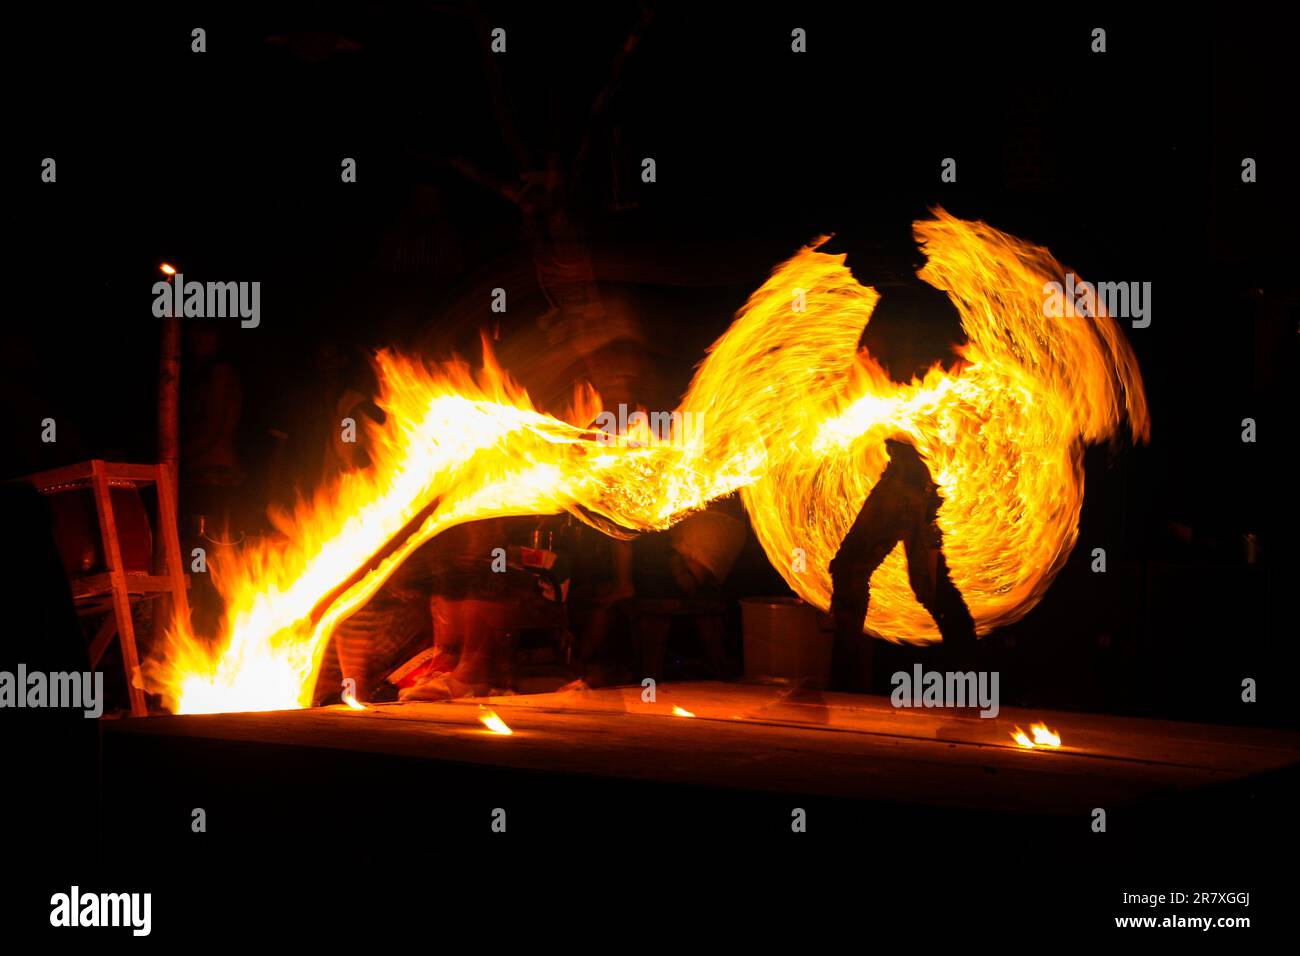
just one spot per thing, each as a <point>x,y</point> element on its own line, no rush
<point>790,413</point>
<point>1003,433</point>
<point>494,723</point>
<point>681,712</point>
<point>1043,737</point>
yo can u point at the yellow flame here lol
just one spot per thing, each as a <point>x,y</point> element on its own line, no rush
<point>681,712</point>
<point>786,410</point>
<point>1043,737</point>
<point>494,723</point>
<point>1002,433</point>
<point>353,702</point>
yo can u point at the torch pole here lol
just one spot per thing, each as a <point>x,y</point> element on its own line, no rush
<point>169,378</point>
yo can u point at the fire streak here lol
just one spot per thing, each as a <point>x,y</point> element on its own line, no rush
<point>494,723</point>
<point>793,415</point>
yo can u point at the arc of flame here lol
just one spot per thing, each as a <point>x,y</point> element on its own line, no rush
<point>792,415</point>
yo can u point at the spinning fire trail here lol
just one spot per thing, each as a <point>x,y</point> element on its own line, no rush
<point>794,416</point>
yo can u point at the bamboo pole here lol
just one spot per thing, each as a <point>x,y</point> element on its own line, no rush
<point>169,387</point>
<point>169,376</point>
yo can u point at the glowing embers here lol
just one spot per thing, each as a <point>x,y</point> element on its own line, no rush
<point>1043,738</point>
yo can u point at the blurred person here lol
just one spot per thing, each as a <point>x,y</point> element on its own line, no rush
<point>903,506</point>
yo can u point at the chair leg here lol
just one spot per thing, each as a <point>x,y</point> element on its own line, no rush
<point>117,578</point>
<point>103,637</point>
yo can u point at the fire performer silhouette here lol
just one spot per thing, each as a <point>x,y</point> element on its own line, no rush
<point>901,507</point>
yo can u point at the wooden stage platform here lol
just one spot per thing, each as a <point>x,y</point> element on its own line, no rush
<point>908,812</point>
<point>779,740</point>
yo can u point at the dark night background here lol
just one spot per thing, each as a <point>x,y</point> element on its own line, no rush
<point>1126,165</point>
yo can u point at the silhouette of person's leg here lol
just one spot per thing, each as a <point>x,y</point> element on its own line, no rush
<point>874,533</point>
<point>950,611</point>
<point>927,570</point>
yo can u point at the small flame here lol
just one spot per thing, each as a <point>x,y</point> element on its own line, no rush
<point>353,702</point>
<point>1043,737</point>
<point>168,269</point>
<point>681,712</point>
<point>494,723</point>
